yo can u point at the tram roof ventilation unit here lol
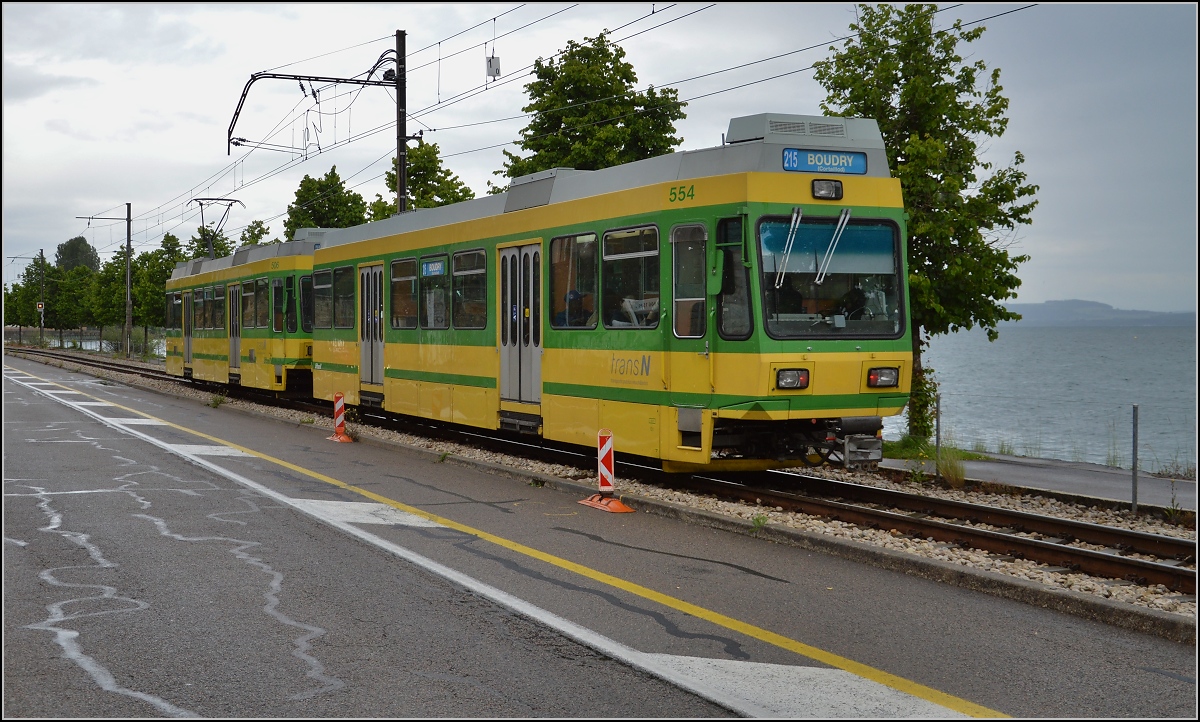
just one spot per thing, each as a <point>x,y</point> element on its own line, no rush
<point>810,130</point>
<point>530,191</point>
<point>243,255</point>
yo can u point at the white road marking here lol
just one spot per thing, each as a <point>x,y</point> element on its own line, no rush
<point>137,420</point>
<point>731,684</point>
<point>358,512</point>
<point>204,449</point>
<point>790,691</point>
<point>92,403</point>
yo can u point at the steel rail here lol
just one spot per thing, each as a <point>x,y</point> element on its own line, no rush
<point>1126,540</point>
<point>1057,553</point>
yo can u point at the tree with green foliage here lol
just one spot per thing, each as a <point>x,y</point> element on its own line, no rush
<point>151,270</point>
<point>935,111</point>
<point>69,306</point>
<point>253,234</point>
<point>20,301</point>
<point>429,184</point>
<point>324,203</point>
<point>587,114</point>
<point>108,292</point>
<point>76,252</point>
<point>198,244</point>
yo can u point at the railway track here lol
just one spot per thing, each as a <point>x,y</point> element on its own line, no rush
<point>1065,545</point>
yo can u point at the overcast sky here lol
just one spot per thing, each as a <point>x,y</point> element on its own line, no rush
<point>108,104</point>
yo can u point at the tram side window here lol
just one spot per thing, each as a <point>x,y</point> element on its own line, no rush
<point>434,282</point>
<point>277,305</point>
<point>289,303</point>
<point>323,299</point>
<point>573,281</point>
<point>198,320</point>
<point>174,311</point>
<point>470,289</point>
<point>630,291</point>
<point>209,308</point>
<point>343,297</point>
<point>733,304</point>
<point>306,304</point>
<point>688,252</point>
<point>262,304</point>
<point>218,307</point>
<point>248,304</point>
<point>404,293</point>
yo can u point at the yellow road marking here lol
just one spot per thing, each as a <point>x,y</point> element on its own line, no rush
<point>833,660</point>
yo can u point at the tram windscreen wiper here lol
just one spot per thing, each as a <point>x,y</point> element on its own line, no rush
<point>837,235</point>
<point>787,251</point>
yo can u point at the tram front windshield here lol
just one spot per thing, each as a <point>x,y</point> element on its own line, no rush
<point>817,282</point>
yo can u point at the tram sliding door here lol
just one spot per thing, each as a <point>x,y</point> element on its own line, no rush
<point>521,324</point>
<point>234,314</point>
<point>370,330</point>
<point>187,328</point>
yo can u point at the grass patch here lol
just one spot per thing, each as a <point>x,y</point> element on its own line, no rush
<point>216,400</point>
<point>913,447</point>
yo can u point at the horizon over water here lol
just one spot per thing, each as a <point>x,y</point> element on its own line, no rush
<point>1068,393</point>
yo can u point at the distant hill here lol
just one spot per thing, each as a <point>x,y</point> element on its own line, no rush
<point>1092,313</point>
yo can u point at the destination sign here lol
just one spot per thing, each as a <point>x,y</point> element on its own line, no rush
<point>824,161</point>
<point>433,268</point>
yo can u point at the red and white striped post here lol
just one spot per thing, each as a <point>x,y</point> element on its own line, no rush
<point>604,445</point>
<point>339,420</point>
<point>604,456</point>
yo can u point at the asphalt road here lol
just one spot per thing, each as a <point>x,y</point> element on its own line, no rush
<point>137,584</point>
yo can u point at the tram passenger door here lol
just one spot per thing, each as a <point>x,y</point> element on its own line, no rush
<point>689,357</point>
<point>370,328</point>
<point>521,324</point>
<point>187,328</point>
<point>234,314</point>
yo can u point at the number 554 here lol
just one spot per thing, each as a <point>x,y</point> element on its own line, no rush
<point>682,193</point>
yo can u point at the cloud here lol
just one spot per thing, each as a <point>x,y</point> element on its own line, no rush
<point>22,82</point>
<point>122,34</point>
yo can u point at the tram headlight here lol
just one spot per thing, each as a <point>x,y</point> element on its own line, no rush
<point>827,190</point>
<point>881,377</point>
<point>791,379</point>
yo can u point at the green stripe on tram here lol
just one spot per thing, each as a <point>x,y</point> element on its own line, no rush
<point>482,382</point>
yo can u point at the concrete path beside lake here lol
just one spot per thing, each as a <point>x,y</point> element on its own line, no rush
<point>1072,477</point>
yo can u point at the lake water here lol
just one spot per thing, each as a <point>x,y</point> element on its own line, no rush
<point>1068,393</point>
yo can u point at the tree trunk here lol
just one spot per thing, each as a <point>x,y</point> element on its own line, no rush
<point>924,391</point>
<point>145,340</point>
<point>60,338</point>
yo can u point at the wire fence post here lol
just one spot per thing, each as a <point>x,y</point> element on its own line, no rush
<point>1135,459</point>
<point>937,436</point>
